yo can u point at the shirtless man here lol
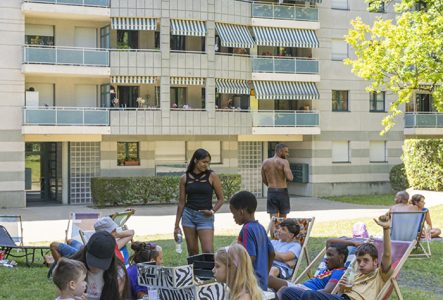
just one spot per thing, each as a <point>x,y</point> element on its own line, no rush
<point>402,203</point>
<point>275,173</point>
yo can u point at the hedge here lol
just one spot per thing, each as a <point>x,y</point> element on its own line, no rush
<point>423,159</point>
<point>398,178</point>
<point>117,191</point>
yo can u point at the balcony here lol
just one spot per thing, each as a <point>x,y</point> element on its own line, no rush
<point>278,68</point>
<point>286,122</point>
<point>143,62</point>
<point>92,3</point>
<point>66,60</point>
<point>424,123</point>
<point>94,10</point>
<point>276,15</point>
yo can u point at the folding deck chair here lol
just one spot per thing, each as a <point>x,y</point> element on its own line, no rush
<point>80,221</point>
<point>13,225</point>
<point>120,218</point>
<point>8,244</point>
<point>409,226</point>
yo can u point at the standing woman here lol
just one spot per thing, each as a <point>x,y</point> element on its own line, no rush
<point>195,203</point>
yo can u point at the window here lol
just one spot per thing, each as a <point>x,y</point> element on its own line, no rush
<point>341,152</point>
<point>39,35</point>
<point>128,154</point>
<point>379,9</point>
<point>377,151</point>
<point>157,40</point>
<point>178,97</point>
<point>339,49</point>
<point>340,100</point>
<point>377,102</point>
<point>178,42</point>
<point>127,39</point>
<point>339,4</point>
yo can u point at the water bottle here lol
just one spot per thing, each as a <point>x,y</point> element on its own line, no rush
<point>178,243</point>
<point>350,274</point>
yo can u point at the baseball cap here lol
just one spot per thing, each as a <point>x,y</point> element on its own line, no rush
<point>100,250</point>
<point>105,224</point>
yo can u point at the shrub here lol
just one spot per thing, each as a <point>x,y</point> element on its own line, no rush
<point>423,159</point>
<point>116,191</point>
<point>398,178</point>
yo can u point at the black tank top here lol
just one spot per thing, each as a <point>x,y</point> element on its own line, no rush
<point>199,191</point>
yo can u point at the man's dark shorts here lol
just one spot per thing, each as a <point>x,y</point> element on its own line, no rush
<point>278,201</point>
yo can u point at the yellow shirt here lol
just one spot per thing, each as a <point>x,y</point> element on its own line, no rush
<point>367,286</point>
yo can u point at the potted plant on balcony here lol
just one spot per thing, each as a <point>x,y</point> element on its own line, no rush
<point>134,162</point>
<point>140,102</point>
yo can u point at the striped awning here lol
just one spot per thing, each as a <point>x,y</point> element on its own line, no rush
<point>187,81</point>
<point>133,23</point>
<point>133,79</point>
<point>285,37</point>
<point>284,90</point>
<point>232,86</point>
<point>235,36</point>
<point>188,27</point>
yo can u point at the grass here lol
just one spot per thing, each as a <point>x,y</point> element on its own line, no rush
<point>420,278</point>
<point>385,200</point>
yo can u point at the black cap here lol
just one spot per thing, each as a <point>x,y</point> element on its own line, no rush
<point>100,250</point>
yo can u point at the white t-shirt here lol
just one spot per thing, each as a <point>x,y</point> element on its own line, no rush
<point>95,285</point>
<point>58,298</point>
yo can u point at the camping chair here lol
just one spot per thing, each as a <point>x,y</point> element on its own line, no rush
<point>8,244</point>
<point>85,235</point>
<point>409,226</point>
<point>13,225</point>
<point>80,221</point>
<point>120,218</point>
<point>306,225</point>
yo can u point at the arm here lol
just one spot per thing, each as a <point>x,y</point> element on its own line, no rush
<point>123,237</point>
<point>216,184</point>
<point>344,241</point>
<point>386,259</point>
<point>428,219</point>
<point>263,177</point>
<point>329,286</point>
<point>181,205</point>
<point>287,170</point>
<point>271,255</point>
<point>284,256</point>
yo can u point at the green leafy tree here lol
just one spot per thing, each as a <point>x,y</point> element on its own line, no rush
<point>401,55</point>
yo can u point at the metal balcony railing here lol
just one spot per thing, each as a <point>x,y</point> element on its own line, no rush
<point>275,118</point>
<point>93,3</point>
<point>284,12</point>
<point>55,55</point>
<point>66,116</point>
<point>424,120</point>
<point>291,65</point>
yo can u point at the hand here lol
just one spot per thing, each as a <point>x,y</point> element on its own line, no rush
<point>82,297</point>
<point>386,224</point>
<point>384,218</point>
<point>177,230</point>
<point>206,212</point>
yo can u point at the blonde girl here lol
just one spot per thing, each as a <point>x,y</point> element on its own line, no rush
<point>233,266</point>
<point>419,201</point>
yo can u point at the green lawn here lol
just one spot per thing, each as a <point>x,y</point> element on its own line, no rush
<point>420,278</point>
<point>386,200</point>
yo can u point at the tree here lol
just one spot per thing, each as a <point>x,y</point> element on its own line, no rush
<point>401,55</point>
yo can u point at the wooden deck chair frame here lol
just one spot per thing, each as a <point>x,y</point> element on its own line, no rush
<point>120,218</point>
<point>420,229</point>
<point>14,218</point>
<point>71,220</point>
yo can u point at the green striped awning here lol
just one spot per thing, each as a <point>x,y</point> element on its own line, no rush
<point>232,86</point>
<point>133,79</point>
<point>187,81</point>
<point>235,36</point>
<point>285,37</point>
<point>188,27</point>
<point>284,90</point>
<point>133,23</point>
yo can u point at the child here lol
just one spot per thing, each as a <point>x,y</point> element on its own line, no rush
<point>369,279</point>
<point>143,252</point>
<point>287,249</point>
<point>253,235</point>
<point>419,201</point>
<point>233,267</point>
<point>69,277</point>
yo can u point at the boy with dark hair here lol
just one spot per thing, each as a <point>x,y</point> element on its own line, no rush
<point>369,279</point>
<point>69,277</point>
<point>287,249</point>
<point>253,235</point>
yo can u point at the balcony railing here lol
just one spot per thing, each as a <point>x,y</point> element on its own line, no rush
<point>276,118</point>
<point>94,3</point>
<point>66,116</point>
<point>284,12</point>
<point>285,65</point>
<point>424,120</point>
<point>65,56</point>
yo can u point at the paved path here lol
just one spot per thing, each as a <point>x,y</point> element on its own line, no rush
<point>48,223</point>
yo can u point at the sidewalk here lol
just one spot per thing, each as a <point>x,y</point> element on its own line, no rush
<point>48,223</point>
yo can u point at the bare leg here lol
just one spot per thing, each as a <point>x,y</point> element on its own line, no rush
<point>274,271</point>
<point>206,237</point>
<point>276,283</point>
<point>435,232</point>
<point>272,225</point>
<point>54,250</point>
<point>191,240</point>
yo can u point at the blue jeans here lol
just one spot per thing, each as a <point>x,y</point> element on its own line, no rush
<point>68,250</point>
<point>292,293</point>
<point>197,220</point>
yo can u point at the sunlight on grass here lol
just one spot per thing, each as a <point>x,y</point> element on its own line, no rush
<point>385,200</point>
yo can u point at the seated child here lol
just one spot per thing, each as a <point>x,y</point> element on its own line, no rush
<point>369,279</point>
<point>233,266</point>
<point>419,201</point>
<point>143,252</point>
<point>287,249</point>
<point>327,278</point>
<point>69,277</point>
<point>253,235</point>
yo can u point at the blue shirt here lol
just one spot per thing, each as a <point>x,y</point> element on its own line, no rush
<point>320,281</point>
<point>253,237</point>
<point>133,282</point>
<point>293,247</point>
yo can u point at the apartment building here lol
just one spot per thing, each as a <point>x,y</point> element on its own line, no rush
<point>133,87</point>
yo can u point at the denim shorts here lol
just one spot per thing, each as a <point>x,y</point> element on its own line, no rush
<point>195,219</point>
<point>68,250</point>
